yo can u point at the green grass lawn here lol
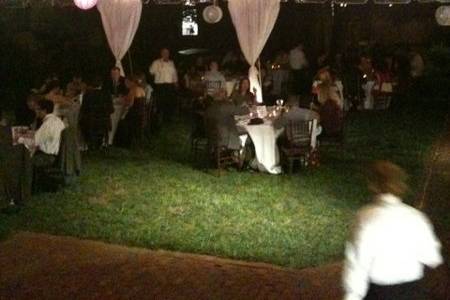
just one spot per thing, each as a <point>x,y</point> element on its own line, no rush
<point>153,198</point>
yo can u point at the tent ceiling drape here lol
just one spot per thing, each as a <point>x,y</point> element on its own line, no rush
<point>120,20</point>
<point>254,21</point>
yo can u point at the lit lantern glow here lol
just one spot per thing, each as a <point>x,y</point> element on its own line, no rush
<point>85,4</point>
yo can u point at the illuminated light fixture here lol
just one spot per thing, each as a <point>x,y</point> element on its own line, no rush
<point>390,5</point>
<point>443,15</point>
<point>212,13</point>
<point>85,4</point>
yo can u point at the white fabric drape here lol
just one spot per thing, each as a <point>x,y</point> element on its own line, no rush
<point>120,20</point>
<point>254,21</point>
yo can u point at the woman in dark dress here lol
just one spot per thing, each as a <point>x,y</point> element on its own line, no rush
<point>131,126</point>
<point>243,96</point>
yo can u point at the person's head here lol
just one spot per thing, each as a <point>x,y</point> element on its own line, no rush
<point>214,66</point>
<point>165,54</point>
<point>53,87</point>
<point>115,73</point>
<point>324,75</point>
<point>141,79</point>
<point>32,101</point>
<point>132,81</point>
<point>385,177</point>
<point>43,108</point>
<point>244,85</point>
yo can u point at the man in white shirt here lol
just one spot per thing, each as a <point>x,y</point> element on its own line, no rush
<point>391,244</point>
<point>44,147</point>
<point>214,80</point>
<point>166,81</point>
<point>298,64</point>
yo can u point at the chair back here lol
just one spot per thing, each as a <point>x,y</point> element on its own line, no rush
<point>299,133</point>
<point>69,157</point>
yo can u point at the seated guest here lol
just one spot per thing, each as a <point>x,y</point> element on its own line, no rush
<point>115,85</point>
<point>214,80</point>
<point>327,77</point>
<point>76,86</point>
<point>44,146</point>
<point>51,78</point>
<point>219,118</point>
<point>331,115</point>
<point>95,121</point>
<point>295,114</point>
<point>54,93</point>
<point>130,129</point>
<point>243,96</point>
<point>33,121</point>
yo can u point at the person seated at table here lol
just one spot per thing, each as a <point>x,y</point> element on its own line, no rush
<point>219,116</point>
<point>76,86</point>
<point>33,121</point>
<point>243,96</point>
<point>95,121</point>
<point>44,147</point>
<point>331,113</point>
<point>214,80</point>
<point>115,85</point>
<point>294,113</point>
<point>327,77</point>
<point>130,129</point>
<point>54,93</point>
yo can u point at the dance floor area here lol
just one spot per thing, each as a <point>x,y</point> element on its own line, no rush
<point>152,197</point>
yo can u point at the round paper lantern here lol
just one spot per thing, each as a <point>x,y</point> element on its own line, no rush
<point>443,15</point>
<point>212,14</point>
<point>85,4</point>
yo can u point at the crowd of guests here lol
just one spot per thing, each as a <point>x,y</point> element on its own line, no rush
<point>119,111</point>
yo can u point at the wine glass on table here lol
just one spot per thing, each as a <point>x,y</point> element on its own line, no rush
<point>279,103</point>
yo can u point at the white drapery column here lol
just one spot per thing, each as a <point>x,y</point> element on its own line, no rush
<point>120,20</point>
<point>254,21</point>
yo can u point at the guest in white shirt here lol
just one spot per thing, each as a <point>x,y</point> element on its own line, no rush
<point>298,64</point>
<point>214,80</point>
<point>44,147</point>
<point>391,243</point>
<point>166,81</point>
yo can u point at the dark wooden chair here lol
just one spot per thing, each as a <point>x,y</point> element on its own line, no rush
<point>222,156</point>
<point>297,144</point>
<point>382,101</point>
<point>51,178</point>
<point>198,138</point>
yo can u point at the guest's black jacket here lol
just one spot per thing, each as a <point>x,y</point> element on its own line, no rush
<point>95,111</point>
<point>115,89</point>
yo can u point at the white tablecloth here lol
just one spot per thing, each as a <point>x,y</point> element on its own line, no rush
<point>264,137</point>
<point>115,119</point>
<point>368,99</point>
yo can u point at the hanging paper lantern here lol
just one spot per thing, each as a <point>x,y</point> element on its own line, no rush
<point>212,14</point>
<point>443,15</point>
<point>85,4</point>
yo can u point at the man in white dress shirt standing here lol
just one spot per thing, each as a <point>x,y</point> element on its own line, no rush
<point>391,243</point>
<point>166,81</point>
